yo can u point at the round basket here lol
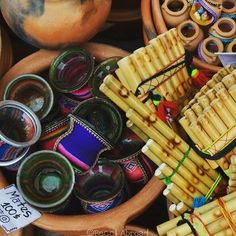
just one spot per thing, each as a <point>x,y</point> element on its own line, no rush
<point>154,24</point>
<point>114,219</point>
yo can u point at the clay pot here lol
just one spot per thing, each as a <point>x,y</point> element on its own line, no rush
<point>224,29</point>
<point>231,47</point>
<point>191,34</point>
<point>207,49</point>
<point>42,23</point>
<point>6,54</point>
<point>114,219</point>
<point>175,11</point>
<point>228,7</point>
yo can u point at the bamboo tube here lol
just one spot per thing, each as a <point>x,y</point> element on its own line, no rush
<point>190,115</point>
<point>132,77</point>
<point>204,89</point>
<point>154,57</point>
<point>122,78</point>
<point>232,91</point>
<point>211,94</point>
<point>173,209</point>
<point>210,130</point>
<point>185,170</point>
<point>159,174</point>
<point>171,197</point>
<point>198,95</point>
<point>185,124</point>
<point>225,232</point>
<point>220,224</point>
<point>223,112</point>
<point>159,125</point>
<point>181,207</point>
<point>232,183</point>
<point>233,176</point>
<point>197,109</point>
<point>203,101</point>
<point>228,101</point>
<point>179,180</point>
<point>185,108</point>
<point>213,164</point>
<point>180,194</point>
<point>223,163</point>
<point>212,116</point>
<point>211,83</point>
<point>113,97</point>
<point>151,155</point>
<point>229,80</point>
<point>231,189</point>
<point>208,217</point>
<point>167,226</point>
<point>204,139</point>
<point>219,86</point>
<point>136,130</point>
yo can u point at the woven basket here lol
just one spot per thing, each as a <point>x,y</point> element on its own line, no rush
<point>154,24</point>
<point>114,219</point>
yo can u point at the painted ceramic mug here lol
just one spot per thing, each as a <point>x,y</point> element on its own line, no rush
<point>102,188</point>
<point>33,91</point>
<point>19,129</point>
<point>103,116</point>
<point>137,167</point>
<point>71,71</point>
<point>46,180</point>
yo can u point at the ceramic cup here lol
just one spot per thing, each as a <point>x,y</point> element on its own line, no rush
<point>231,47</point>
<point>229,8</point>
<point>19,129</point>
<point>175,11</point>
<point>71,71</point>
<point>224,29</point>
<point>106,67</point>
<point>33,91</point>
<point>207,49</point>
<point>137,167</point>
<point>46,180</point>
<point>190,34</point>
<point>102,188</point>
<point>103,116</point>
<point>81,144</point>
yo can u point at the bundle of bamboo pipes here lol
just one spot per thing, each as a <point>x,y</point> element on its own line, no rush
<point>141,71</point>
<point>210,117</point>
<point>232,175</point>
<point>194,177</point>
<point>215,218</point>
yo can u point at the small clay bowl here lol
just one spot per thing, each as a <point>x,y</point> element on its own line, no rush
<point>33,91</point>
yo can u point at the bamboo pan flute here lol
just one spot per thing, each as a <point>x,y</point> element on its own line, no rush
<point>216,218</point>
<point>194,177</point>
<point>147,62</point>
<point>210,117</point>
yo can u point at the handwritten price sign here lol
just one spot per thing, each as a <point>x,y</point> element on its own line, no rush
<point>15,213</point>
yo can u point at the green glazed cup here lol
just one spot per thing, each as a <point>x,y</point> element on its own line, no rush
<point>46,180</point>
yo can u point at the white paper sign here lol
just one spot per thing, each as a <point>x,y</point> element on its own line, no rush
<point>15,213</point>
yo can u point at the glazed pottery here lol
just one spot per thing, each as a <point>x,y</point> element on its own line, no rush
<point>71,70</point>
<point>224,29</point>
<point>190,34</point>
<point>45,179</point>
<point>104,68</point>
<point>102,188</point>
<point>206,12</point>
<point>207,49</point>
<point>175,11</point>
<point>33,91</point>
<point>81,144</point>
<point>6,54</point>
<point>137,167</point>
<point>42,23</point>
<point>103,116</point>
<point>229,8</point>
<point>231,47</point>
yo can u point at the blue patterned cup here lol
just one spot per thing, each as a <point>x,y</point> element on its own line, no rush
<point>102,188</point>
<point>19,129</point>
